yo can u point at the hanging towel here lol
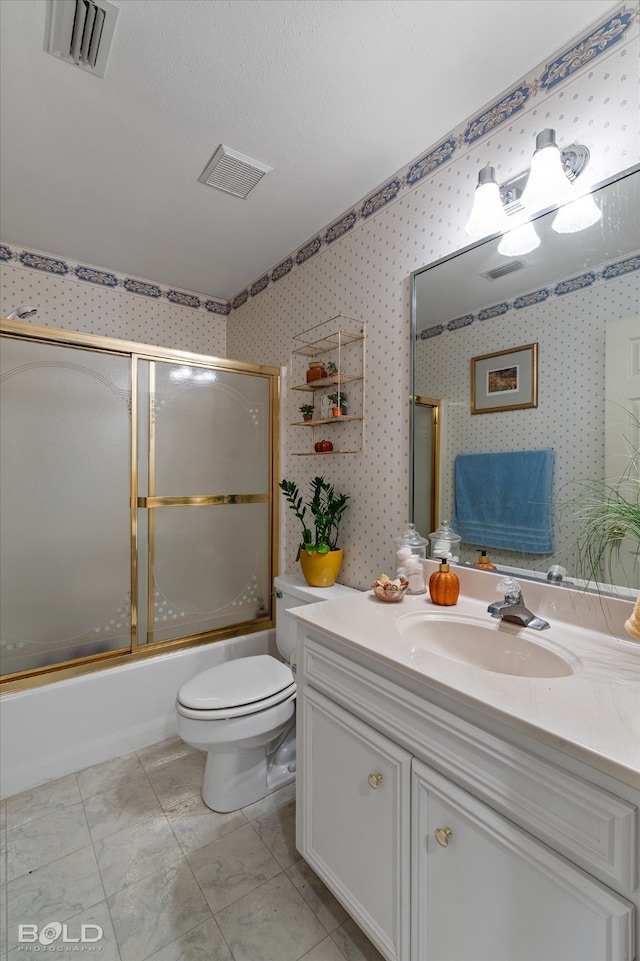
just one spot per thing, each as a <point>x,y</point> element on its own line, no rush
<point>504,500</point>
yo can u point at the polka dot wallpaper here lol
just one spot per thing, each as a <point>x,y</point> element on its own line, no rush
<point>71,304</point>
<point>361,266</point>
<point>366,274</point>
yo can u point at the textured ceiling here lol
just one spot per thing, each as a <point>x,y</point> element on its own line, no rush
<point>335,95</point>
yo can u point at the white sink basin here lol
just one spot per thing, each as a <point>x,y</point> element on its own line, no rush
<point>491,645</point>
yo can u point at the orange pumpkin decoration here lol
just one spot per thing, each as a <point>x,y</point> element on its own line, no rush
<point>444,586</point>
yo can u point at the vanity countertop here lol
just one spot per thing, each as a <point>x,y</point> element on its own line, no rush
<point>593,714</point>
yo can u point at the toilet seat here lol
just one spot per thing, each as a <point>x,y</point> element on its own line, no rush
<point>239,687</point>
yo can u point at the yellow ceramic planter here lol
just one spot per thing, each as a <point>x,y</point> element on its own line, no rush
<point>321,570</point>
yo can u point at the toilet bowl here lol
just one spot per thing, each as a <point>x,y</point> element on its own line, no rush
<point>242,712</point>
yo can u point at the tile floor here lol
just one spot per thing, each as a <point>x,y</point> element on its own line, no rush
<point>128,847</point>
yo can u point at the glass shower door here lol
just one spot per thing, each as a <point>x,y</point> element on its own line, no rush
<point>65,476</point>
<point>205,499</point>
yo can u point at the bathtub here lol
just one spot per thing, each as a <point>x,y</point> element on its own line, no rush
<point>48,732</point>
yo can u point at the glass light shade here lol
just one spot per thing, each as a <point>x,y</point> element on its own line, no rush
<point>519,241</point>
<point>577,215</point>
<point>487,214</point>
<point>548,184</point>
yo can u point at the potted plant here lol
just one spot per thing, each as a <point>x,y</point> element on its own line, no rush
<point>318,553</point>
<point>339,402</point>
<point>608,514</point>
<point>307,411</point>
<point>332,372</point>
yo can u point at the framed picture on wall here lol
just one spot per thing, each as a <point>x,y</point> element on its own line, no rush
<point>505,380</point>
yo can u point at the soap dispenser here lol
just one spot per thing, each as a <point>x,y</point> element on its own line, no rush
<point>483,561</point>
<point>444,586</point>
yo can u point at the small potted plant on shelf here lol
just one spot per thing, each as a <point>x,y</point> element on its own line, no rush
<point>307,411</point>
<point>339,402</point>
<point>332,372</point>
<point>318,553</point>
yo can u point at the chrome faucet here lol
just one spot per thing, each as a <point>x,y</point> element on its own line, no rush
<point>512,608</point>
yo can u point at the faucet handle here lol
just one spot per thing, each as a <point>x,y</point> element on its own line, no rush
<point>511,589</point>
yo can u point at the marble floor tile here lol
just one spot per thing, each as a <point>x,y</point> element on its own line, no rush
<point>272,923</point>
<point>97,921</point>
<point>278,831</point>
<point>269,803</point>
<point>54,892</point>
<point>156,756</point>
<point>46,839</point>
<point>39,801</point>
<point>157,911</point>
<point>326,908</point>
<point>178,780</point>
<point>103,777</point>
<point>120,807</point>
<point>229,868</point>
<point>354,944</point>
<point>194,824</point>
<point>136,852</point>
<point>327,950</point>
<point>204,943</point>
<point>4,924</point>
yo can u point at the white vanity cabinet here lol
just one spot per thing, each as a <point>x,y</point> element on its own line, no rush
<point>444,841</point>
<point>484,890</point>
<point>357,819</point>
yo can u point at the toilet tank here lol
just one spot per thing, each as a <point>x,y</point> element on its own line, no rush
<point>292,590</point>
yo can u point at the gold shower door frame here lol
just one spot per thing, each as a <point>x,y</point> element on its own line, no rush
<point>248,594</point>
<point>145,644</point>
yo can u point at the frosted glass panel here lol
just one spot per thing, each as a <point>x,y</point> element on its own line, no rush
<point>65,504</point>
<point>211,431</point>
<point>210,567</point>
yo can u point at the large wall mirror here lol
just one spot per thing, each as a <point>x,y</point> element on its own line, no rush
<point>565,318</point>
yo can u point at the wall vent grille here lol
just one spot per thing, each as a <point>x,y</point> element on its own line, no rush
<point>81,31</point>
<point>504,269</point>
<point>233,172</point>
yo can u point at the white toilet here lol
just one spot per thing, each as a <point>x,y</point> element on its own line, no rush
<point>242,712</point>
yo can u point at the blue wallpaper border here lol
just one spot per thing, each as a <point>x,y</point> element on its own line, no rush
<point>560,69</point>
<point>105,278</point>
<point>609,272</point>
<point>579,55</point>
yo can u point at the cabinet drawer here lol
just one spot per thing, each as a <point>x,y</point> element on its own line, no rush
<point>593,827</point>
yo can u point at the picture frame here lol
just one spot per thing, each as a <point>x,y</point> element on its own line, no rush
<point>505,380</point>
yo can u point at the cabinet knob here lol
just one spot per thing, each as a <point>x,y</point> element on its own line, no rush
<point>443,836</point>
<point>374,780</point>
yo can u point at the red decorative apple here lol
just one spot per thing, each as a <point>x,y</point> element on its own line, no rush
<point>323,447</point>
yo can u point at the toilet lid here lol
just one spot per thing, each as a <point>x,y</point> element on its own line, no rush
<point>245,680</point>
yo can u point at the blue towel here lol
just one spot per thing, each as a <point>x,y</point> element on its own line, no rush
<point>504,500</point>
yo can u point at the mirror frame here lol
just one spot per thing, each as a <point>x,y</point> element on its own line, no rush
<point>413,396</point>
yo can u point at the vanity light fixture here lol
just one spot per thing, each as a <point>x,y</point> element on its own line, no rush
<point>549,183</point>
<point>521,240</point>
<point>488,216</point>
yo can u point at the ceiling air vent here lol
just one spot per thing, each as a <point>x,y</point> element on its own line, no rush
<point>81,31</point>
<point>233,172</point>
<point>504,269</point>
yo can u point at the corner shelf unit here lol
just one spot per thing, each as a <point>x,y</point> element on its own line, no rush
<point>338,341</point>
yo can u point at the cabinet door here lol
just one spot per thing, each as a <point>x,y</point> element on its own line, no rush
<point>354,819</point>
<point>489,891</point>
